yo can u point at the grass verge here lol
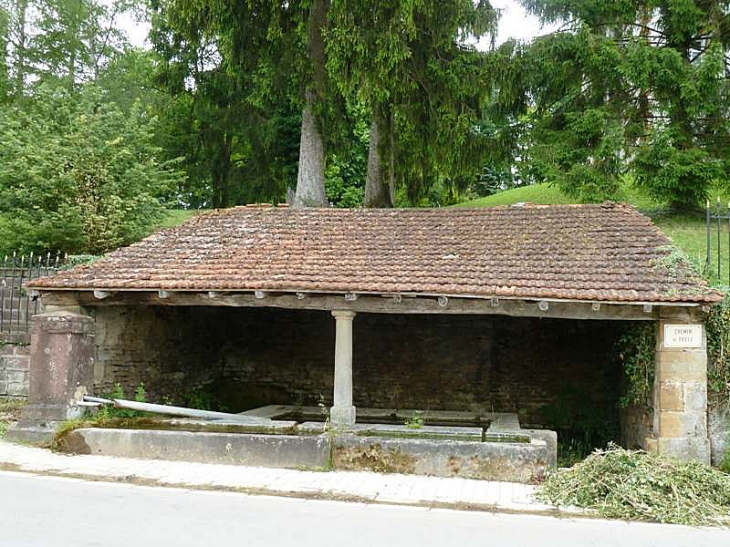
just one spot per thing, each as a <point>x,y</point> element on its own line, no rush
<point>9,414</point>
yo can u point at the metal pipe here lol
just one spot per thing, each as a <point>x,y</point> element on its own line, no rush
<point>90,399</point>
<point>177,410</point>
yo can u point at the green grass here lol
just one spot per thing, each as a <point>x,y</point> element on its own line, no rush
<point>541,194</point>
<point>545,194</point>
<point>686,230</point>
<point>174,217</point>
<point>9,413</point>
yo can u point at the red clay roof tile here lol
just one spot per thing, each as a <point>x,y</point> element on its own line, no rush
<point>605,252</point>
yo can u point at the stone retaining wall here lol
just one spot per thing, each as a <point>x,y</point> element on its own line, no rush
<point>14,365</point>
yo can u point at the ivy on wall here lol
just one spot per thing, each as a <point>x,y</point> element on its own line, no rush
<point>635,351</point>
<point>718,351</point>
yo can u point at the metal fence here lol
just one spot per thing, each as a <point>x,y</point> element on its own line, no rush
<point>17,305</point>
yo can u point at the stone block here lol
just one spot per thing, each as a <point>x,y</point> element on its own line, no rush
<point>687,448</point>
<point>18,389</point>
<point>719,432</point>
<point>281,451</point>
<point>62,356</point>
<point>16,362</point>
<point>682,424</point>
<point>514,462</point>
<point>681,366</point>
<point>3,388</point>
<point>670,396</point>
<point>60,372</point>
<point>695,396</point>
<point>17,377</point>
<point>650,445</point>
<point>551,442</point>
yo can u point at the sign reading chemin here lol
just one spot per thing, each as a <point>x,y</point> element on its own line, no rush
<point>682,336</point>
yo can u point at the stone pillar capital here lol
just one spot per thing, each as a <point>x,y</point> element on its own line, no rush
<point>61,322</point>
<point>343,314</point>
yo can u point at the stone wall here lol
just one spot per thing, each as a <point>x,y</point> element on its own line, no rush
<point>718,423</point>
<point>637,423</point>
<point>544,369</point>
<point>14,365</point>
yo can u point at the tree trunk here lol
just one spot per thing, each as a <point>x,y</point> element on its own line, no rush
<point>20,48</point>
<point>221,173</point>
<point>5,87</point>
<point>310,177</point>
<point>379,185</point>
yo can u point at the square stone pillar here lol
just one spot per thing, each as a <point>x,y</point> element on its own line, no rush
<point>61,372</point>
<point>342,413</point>
<point>680,392</point>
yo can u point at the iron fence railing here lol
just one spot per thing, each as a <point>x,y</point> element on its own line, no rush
<point>17,306</point>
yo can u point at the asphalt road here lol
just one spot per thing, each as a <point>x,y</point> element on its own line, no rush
<point>57,512</point>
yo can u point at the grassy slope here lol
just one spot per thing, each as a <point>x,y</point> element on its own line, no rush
<point>175,217</point>
<point>687,231</point>
<point>545,194</point>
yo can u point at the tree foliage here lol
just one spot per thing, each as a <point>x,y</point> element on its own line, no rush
<point>78,176</point>
<point>232,116</point>
<point>631,89</point>
<point>410,63</point>
<point>386,103</point>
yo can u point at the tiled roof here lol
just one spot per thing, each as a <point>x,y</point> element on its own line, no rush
<point>606,252</point>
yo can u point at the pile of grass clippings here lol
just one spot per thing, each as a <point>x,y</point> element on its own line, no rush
<point>635,485</point>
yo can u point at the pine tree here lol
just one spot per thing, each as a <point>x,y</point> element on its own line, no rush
<point>635,90</point>
<point>410,62</point>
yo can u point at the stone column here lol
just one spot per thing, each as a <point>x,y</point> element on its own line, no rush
<point>342,412</point>
<point>680,392</point>
<point>61,372</point>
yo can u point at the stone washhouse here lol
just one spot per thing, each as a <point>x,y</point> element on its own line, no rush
<point>485,323</point>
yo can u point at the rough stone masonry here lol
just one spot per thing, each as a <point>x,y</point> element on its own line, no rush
<point>14,365</point>
<point>680,392</point>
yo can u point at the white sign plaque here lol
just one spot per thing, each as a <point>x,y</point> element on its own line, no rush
<point>682,336</point>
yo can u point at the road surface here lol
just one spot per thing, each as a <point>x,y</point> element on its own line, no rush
<point>60,512</point>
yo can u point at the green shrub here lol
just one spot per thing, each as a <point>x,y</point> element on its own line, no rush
<point>79,175</point>
<point>108,412</point>
<point>635,351</point>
